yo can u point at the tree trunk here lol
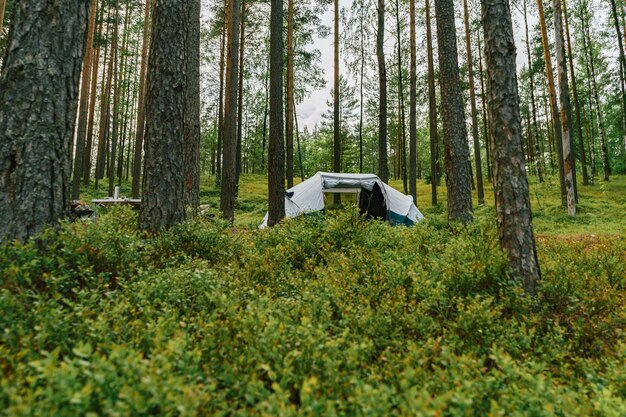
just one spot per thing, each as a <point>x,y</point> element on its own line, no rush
<point>191,153</point>
<point>84,101</point>
<point>581,143</point>
<point>229,168</point>
<point>38,101</point>
<point>141,107</point>
<point>475,135</point>
<point>336,100</point>
<point>220,114</point>
<point>566,114</point>
<point>295,120</point>
<point>413,105</point>
<point>265,116</point>
<point>485,117</point>
<point>432,109</point>
<point>553,103</point>
<point>290,105</point>
<point>276,157</point>
<point>540,164</point>
<point>514,216</point>
<point>163,202</point>
<point>458,171</point>
<point>622,59</point>
<point>383,171</point>
<point>361,88</point>
<point>123,93</point>
<point>116,102</point>
<point>105,109</point>
<point>242,47</point>
<point>402,143</point>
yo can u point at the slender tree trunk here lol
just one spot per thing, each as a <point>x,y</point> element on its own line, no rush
<point>229,169</point>
<point>361,89</point>
<point>553,103</point>
<point>105,95</point>
<point>458,171</point>
<point>276,158</point>
<point>383,171</point>
<point>566,114</point>
<point>295,119</point>
<point>402,142</point>
<point>290,105</point>
<point>38,105</point>
<point>336,101</point>
<point>116,102</point>
<point>475,135</point>
<point>581,144</point>
<point>92,105</point>
<point>432,109</point>
<point>163,184</point>
<point>485,116</point>
<point>242,47</point>
<point>191,152</point>
<point>84,101</point>
<point>540,163</point>
<point>265,115</point>
<point>413,105</point>
<point>220,115</point>
<point>123,91</point>
<point>141,107</point>
<point>514,216</point>
<point>622,60</point>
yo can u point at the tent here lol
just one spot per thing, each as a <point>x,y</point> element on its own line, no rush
<point>376,199</point>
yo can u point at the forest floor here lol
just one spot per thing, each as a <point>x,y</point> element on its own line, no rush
<point>332,316</point>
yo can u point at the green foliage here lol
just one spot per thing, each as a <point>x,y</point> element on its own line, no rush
<point>317,316</point>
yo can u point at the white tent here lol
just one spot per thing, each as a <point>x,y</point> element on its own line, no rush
<point>376,199</point>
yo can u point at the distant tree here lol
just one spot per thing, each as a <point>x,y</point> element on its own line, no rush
<point>383,171</point>
<point>413,105</point>
<point>432,110</point>
<point>458,168</point>
<point>514,216</point>
<point>38,102</point>
<point>276,156</point>
<point>163,202</point>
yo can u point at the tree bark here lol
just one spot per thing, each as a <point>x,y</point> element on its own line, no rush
<point>413,105</point>
<point>566,113</point>
<point>38,102</point>
<point>622,59</point>
<point>141,107</point>
<point>514,216</point>
<point>229,168</point>
<point>336,101</point>
<point>432,109</point>
<point>163,185</point>
<point>458,168</point>
<point>290,105</point>
<point>276,157</point>
<point>383,170</point>
<point>553,103</point>
<point>220,114</point>
<point>402,143</point>
<point>191,153</point>
<point>361,88</point>
<point>475,135</point>
<point>84,102</point>
<point>242,47</point>
<point>105,108</point>
<point>116,101</point>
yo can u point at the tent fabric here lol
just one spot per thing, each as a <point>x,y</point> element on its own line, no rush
<point>308,196</point>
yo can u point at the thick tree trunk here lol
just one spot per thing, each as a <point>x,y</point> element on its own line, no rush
<point>290,105</point>
<point>276,157</point>
<point>383,171</point>
<point>539,162</point>
<point>514,216</point>
<point>163,202</point>
<point>38,101</point>
<point>84,102</point>
<point>191,154</point>
<point>432,110</point>
<point>475,135</point>
<point>229,168</point>
<point>458,168</point>
<point>553,103</point>
<point>141,107</point>
<point>566,114</point>
<point>413,105</point>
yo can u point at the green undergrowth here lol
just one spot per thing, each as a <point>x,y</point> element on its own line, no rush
<point>315,317</point>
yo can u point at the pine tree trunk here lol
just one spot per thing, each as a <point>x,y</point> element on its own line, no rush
<point>622,59</point>
<point>413,105</point>
<point>539,163</point>
<point>336,100</point>
<point>38,103</point>
<point>566,113</point>
<point>141,107</point>
<point>276,157</point>
<point>361,88</point>
<point>475,135</point>
<point>383,171</point>
<point>105,109</point>
<point>432,110</point>
<point>116,102</point>
<point>220,114</point>
<point>553,103</point>
<point>514,216</point>
<point>290,105</point>
<point>458,169</point>
<point>265,116</point>
<point>123,96</point>
<point>191,153</point>
<point>84,102</point>
<point>402,143</point>
<point>242,47</point>
<point>163,202</point>
<point>485,117</point>
<point>295,120</point>
<point>229,168</point>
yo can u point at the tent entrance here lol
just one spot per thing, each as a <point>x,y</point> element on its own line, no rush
<point>372,204</point>
<point>345,193</point>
